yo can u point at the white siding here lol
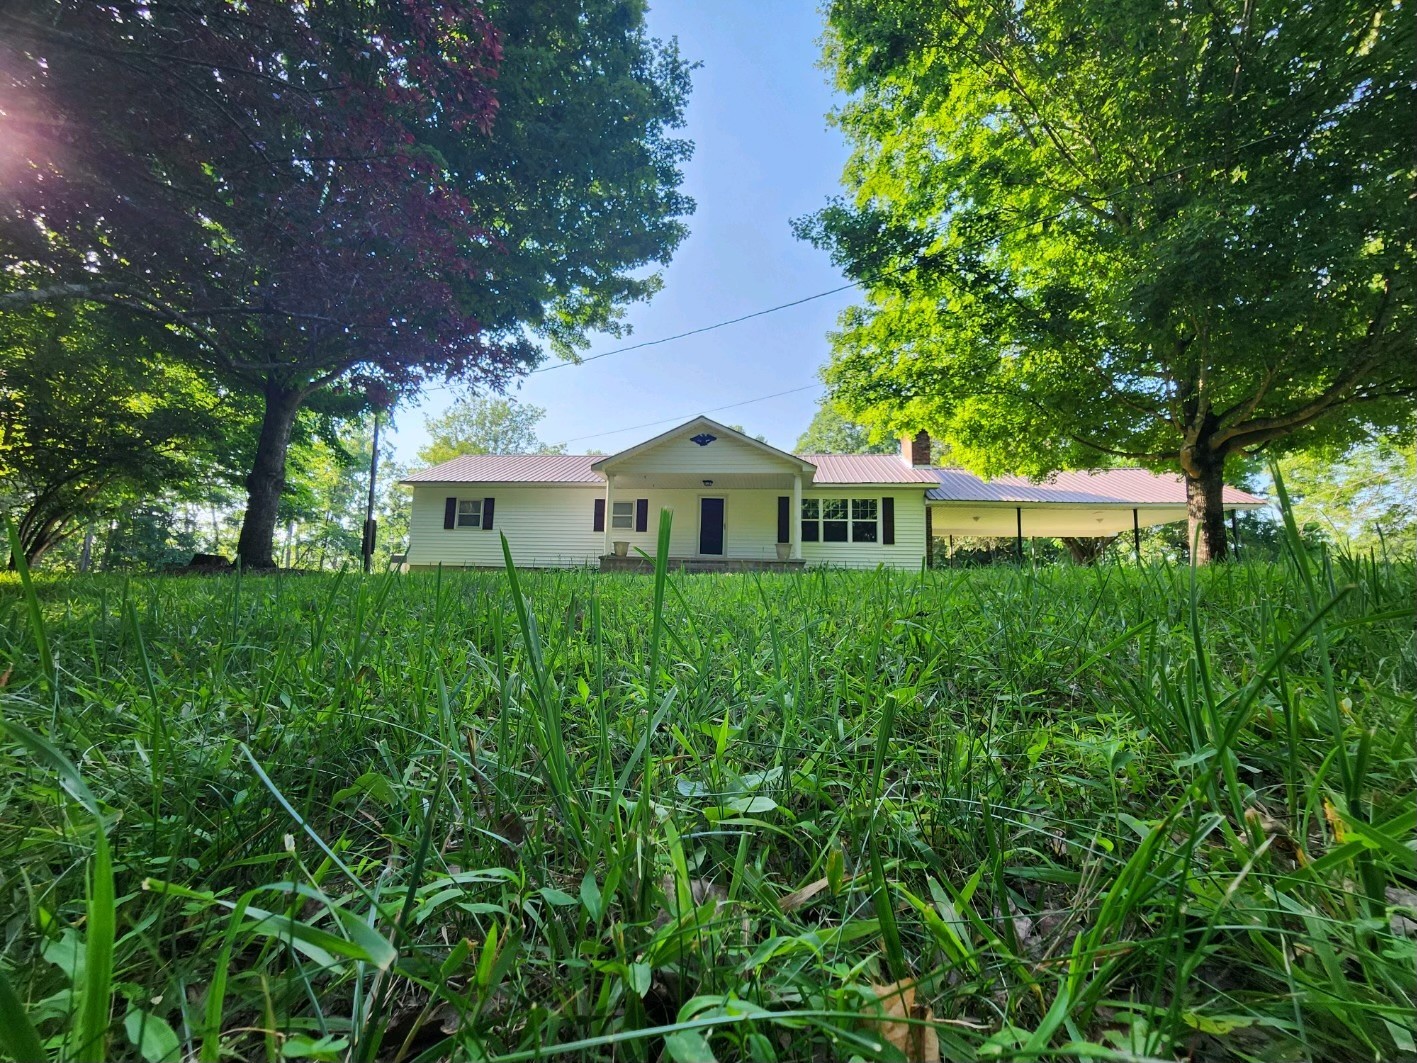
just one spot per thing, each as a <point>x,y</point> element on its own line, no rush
<point>909,548</point>
<point>545,526</point>
<point>553,526</point>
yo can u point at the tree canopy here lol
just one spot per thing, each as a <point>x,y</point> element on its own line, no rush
<point>485,425</point>
<point>831,432</point>
<point>94,418</point>
<point>1166,234</point>
<point>356,197</point>
<point>1362,497</point>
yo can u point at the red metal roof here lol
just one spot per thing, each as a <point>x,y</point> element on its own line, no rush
<point>865,469</point>
<point>1129,487</point>
<point>512,468</point>
<point>1101,487</point>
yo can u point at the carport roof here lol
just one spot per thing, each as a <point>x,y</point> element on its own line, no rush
<point>1102,487</point>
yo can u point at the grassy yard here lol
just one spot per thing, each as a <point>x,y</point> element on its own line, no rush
<point>1113,813</point>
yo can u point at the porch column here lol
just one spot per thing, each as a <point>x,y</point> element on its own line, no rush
<point>794,526</point>
<point>609,509</point>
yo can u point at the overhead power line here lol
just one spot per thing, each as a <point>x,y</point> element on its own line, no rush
<point>1026,223</point>
<point>698,331</point>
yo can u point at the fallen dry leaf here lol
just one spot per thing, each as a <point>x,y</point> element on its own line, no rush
<point>1335,822</point>
<point>902,1022</point>
<point>797,898</point>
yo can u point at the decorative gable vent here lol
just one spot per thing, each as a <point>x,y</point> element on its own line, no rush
<point>703,439</point>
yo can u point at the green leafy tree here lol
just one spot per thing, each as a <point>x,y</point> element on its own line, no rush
<point>152,534</point>
<point>97,418</point>
<point>485,425</point>
<point>347,199</point>
<point>322,513</point>
<point>1166,234</point>
<point>831,432</point>
<point>1362,497</point>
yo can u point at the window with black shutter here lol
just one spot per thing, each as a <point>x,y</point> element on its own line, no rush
<point>469,513</point>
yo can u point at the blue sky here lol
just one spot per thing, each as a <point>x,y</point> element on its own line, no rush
<point>764,154</point>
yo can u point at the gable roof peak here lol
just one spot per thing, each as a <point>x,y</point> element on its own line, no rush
<point>713,428</point>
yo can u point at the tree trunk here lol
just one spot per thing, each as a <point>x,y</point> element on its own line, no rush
<point>1087,550</point>
<point>1205,509</point>
<point>256,547</point>
<point>38,530</point>
<point>86,553</point>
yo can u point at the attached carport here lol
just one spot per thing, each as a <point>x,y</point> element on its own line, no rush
<point>1103,503</point>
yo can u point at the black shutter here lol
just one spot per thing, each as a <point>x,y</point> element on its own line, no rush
<point>641,514</point>
<point>488,505</point>
<point>598,524</point>
<point>450,513</point>
<point>888,521</point>
<point>784,518</point>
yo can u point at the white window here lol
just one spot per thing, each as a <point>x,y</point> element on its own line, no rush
<point>469,513</point>
<point>840,520</point>
<point>622,515</point>
<point>863,520</point>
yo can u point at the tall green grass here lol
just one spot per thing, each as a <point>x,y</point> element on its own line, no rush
<point>1113,813</point>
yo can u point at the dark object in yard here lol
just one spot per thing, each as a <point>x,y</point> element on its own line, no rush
<point>203,563</point>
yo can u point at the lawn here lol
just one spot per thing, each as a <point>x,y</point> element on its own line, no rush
<point>1112,813</point>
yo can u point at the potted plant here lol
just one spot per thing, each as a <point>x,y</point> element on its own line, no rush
<point>784,551</point>
<point>622,547</point>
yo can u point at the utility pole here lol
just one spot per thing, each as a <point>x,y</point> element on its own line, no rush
<point>370,525</point>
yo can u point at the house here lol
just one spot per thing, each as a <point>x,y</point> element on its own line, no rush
<point>739,503</point>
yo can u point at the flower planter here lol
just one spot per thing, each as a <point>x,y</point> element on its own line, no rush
<point>784,551</point>
<point>622,548</point>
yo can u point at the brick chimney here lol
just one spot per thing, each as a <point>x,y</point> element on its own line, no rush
<point>915,450</point>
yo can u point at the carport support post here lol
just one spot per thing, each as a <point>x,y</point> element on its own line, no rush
<point>1235,530</point>
<point>1136,535</point>
<point>1018,538</point>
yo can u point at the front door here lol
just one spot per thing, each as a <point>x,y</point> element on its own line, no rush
<point>711,526</point>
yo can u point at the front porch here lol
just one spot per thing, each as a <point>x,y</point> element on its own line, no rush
<point>733,500</point>
<point>640,564</point>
